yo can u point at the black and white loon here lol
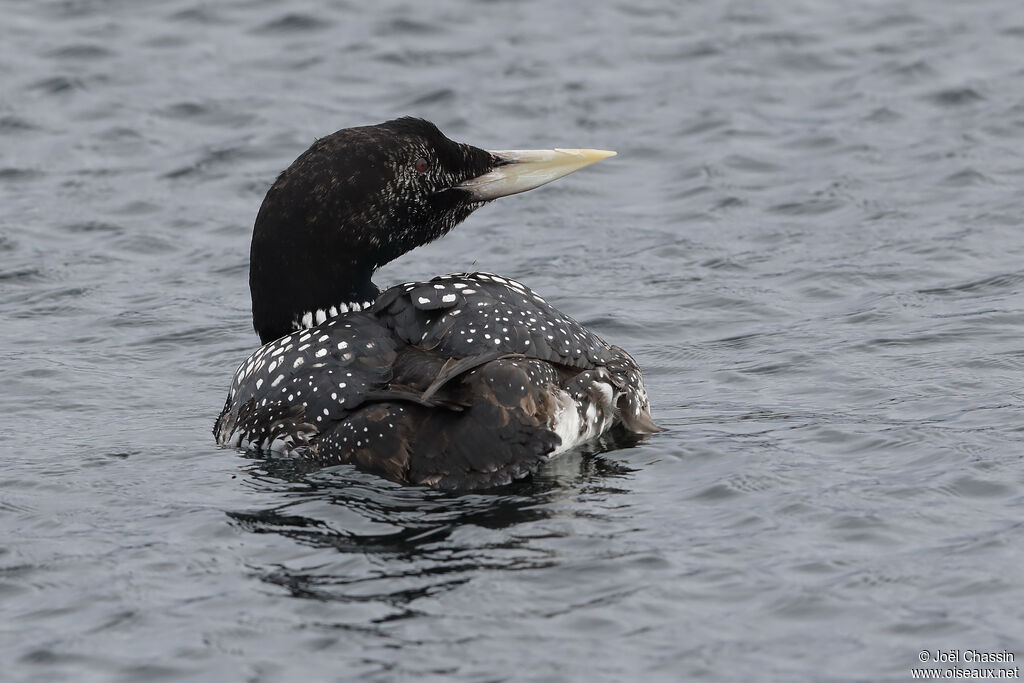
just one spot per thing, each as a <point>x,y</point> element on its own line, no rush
<point>465,381</point>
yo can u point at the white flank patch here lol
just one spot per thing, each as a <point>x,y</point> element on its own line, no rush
<point>567,423</point>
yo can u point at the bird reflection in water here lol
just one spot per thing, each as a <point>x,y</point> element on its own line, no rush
<point>369,540</point>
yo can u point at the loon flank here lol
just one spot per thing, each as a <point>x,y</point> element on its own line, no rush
<point>465,381</point>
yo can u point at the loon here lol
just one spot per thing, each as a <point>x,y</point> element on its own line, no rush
<point>465,381</point>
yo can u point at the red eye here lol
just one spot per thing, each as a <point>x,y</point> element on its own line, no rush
<point>422,165</point>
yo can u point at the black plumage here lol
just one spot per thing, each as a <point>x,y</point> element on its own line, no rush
<point>468,380</point>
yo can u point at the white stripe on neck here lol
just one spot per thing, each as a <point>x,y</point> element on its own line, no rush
<point>321,315</point>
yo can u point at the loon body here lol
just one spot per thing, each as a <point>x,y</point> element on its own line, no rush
<point>466,381</point>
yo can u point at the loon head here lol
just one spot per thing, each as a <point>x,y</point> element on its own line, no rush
<point>360,198</point>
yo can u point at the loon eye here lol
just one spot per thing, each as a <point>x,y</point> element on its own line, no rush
<point>422,165</point>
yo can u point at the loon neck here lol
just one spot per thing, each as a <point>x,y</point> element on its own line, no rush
<point>296,286</point>
<point>311,252</point>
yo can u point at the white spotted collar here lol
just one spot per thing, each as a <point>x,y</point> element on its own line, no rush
<point>311,319</point>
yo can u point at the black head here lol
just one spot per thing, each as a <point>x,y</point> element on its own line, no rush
<point>360,198</point>
<point>352,202</point>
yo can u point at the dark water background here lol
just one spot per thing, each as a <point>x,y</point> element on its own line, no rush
<point>811,240</point>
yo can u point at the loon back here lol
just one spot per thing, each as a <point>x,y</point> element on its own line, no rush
<point>465,381</point>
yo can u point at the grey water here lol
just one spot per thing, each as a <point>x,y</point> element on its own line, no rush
<point>811,240</point>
